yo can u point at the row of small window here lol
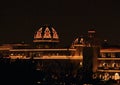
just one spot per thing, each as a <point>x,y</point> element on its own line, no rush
<point>110,55</point>
<point>107,76</point>
<point>110,65</point>
<point>37,54</point>
<point>16,54</point>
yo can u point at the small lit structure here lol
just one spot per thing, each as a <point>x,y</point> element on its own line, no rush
<point>46,37</point>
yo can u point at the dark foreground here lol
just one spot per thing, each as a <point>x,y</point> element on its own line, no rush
<point>44,72</point>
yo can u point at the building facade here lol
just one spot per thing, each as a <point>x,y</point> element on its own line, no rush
<point>102,62</point>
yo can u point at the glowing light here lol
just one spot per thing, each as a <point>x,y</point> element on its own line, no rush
<point>117,76</point>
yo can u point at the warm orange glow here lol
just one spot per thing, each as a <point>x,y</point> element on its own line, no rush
<point>108,58</point>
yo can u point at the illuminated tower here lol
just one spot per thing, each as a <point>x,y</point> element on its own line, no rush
<point>90,54</point>
<point>91,33</point>
<point>92,40</point>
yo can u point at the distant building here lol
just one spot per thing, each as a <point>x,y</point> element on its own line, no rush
<point>105,62</point>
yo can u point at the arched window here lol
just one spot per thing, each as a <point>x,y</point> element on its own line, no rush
<point>113,55</point>
<point>47,33</point>
<point>117,76</point>
<point>103,55</point>
<point>106,76</point>
<point>105,65</point>
<point>38,34</point>
<point>55,36</point>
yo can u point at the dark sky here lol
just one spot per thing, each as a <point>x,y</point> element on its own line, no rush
<point>71,18</point>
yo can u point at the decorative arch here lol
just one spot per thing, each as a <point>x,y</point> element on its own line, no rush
<point>47,33</point>
<point>38,34</point>
<point>55,35</point>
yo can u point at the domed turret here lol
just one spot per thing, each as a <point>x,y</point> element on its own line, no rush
<point>46,36</point>
<point>78,44</point>
<point>80,41</point>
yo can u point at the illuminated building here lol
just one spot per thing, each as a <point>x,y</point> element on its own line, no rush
<point>109,63</point>
<point>85,52</point>
<point>44,46</point>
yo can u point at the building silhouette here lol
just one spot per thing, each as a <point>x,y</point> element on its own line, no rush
<point>84,59</point>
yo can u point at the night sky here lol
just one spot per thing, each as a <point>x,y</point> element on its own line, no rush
<point>71,18</point>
